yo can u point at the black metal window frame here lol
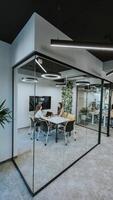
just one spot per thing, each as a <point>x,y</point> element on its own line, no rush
<point>35,53</point>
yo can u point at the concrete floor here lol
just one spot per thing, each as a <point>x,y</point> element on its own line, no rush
<point>54,158</point>
<point>89,179</point>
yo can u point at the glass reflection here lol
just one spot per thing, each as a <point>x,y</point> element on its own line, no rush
<point>56,118</point>
<point>88,108</point>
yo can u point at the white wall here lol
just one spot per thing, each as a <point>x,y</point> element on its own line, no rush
<point>23,44</point>
<point>81,59</point>
<point>10,55</point>
<point>5,93</point>
<point>44,88</point>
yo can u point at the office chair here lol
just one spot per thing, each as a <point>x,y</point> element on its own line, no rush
<point>46,128</point>
<point>65,114</point>
<point>71,117</point>
<point>34,127</point>
<point>67,130</point>
<point>31,129</point>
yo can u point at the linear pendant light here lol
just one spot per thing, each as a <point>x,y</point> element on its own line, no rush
<point>51,76</point>
<point>40,65</point>
<point>80,45</point>
<point>109,73</point>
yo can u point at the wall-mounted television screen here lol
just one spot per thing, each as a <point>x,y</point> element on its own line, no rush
<point>45,101</point>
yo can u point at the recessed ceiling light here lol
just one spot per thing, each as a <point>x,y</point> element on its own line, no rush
<point>29,80</point>
<point>83,83</point>
<point>51,76</point>
<point>61,85</point>
<point>80,45</point>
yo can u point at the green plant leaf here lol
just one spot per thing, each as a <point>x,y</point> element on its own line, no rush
<point>5,114</point>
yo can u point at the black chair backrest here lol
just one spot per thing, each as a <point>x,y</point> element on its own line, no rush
<point>69,126</point>
<point>44,126</point>
<point>37,121</point>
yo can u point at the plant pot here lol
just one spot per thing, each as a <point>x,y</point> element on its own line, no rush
<point>83,117</point>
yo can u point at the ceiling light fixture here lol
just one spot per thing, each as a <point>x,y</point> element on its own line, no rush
<point>38,62</point>
<point>83,83</point>
<point>80,45</point>
<point>61,85</point>
<point>51,76</point>
<point>29,80</point>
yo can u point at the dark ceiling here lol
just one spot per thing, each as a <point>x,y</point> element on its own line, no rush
<point>84,21</point>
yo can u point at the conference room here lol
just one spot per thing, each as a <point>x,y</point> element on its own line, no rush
<point>56,118</point>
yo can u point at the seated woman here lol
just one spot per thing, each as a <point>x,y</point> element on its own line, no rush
<point>60,109</point>
<point>38,113</point>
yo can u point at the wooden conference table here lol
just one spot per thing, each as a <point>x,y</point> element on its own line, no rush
<point>56,120</point>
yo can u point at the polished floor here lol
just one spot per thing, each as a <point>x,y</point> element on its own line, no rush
<point>50,160</point>
<point>89,179</point>
<point>95,127</point>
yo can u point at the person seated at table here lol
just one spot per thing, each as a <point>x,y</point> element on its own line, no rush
<point>60,109</point>
<point>38,113</point>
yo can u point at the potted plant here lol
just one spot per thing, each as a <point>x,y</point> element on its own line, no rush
<point>83,113</point>
<point>5,114</point>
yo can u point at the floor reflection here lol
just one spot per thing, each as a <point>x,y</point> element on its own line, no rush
<point>53,158</point>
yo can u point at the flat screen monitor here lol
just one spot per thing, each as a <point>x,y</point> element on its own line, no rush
<point>45,101</point>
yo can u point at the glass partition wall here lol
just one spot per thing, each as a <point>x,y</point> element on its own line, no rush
<point>23,133</point>
<point>88,109</point>
<point>56,118</point>
<point>110,133</point>
<point>106,108</point>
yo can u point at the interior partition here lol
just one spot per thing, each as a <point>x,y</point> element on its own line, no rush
<point>106,107</point>
<point>56,118</point>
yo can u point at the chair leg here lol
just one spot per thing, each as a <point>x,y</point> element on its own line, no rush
<point>46,138</point>
<point>33,134</point>
<point>30,130</point>
<point>65,135</point>
<point>38,134</point>
<point>74,135</point>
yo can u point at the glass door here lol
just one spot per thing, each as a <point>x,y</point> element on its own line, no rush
<point>24,129</point>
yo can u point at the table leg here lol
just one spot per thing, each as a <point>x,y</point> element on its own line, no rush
<point>104,122</point>
<point>92,119</point>
<point>56,133</point>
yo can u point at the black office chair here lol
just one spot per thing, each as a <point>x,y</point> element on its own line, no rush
<point>46,128</point>
<point>67,129</point>
<point>34,128</point>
